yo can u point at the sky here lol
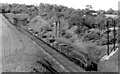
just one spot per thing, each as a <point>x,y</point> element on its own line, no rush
<point>77,4</point>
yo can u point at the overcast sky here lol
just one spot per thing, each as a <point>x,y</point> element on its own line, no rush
<point>96,4</point>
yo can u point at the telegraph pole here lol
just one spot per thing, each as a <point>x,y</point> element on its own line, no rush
<point>107,37</point>
<point>114,23</point>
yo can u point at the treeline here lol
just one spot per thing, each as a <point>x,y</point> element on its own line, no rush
<point>82,18</point>
<point>74,17</point>
<point>19,8</point>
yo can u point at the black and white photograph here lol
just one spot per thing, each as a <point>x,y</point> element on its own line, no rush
<point>59,36</point>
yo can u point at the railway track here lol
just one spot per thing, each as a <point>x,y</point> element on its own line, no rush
<point>57,56</point>
<point>72,64</point>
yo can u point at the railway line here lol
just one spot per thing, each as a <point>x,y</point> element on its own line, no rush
<point>58,57</point>
<point>71,63</point>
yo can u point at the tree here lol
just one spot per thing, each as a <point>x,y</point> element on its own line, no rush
<point>6,8</point>
<point>89,21</point>
<point>110,11</point>
<point>88,7</point>
<point>75,20</point>
<point>100,12</point>
<point>100,22</point>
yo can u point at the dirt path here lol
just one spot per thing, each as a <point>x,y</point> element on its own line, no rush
<point>19,54</point>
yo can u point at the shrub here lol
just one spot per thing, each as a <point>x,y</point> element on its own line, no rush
<point>93,53</point>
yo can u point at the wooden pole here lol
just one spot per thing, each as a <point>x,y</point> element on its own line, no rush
<point>114,34</point>
<point>107,38</point>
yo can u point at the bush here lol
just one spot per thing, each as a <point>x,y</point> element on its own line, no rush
<point>93,53</point>
<point>92,36</point>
